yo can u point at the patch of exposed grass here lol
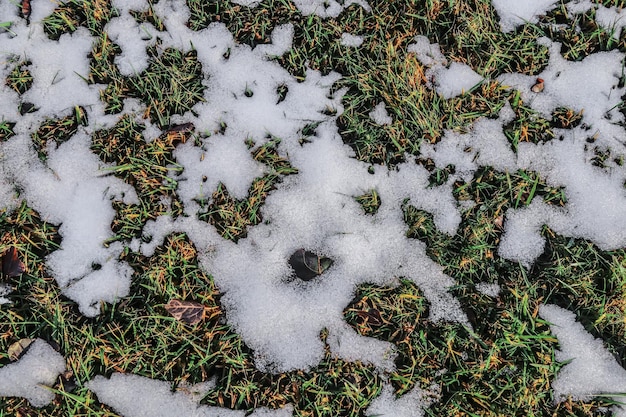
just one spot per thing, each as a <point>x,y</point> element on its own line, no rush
<point>370,201</point>
<point>6,130</point>
<point>231,217</point>
<point>70,15</point>
<point>579,34</point>
<point>577,275</point>
<point>57,131</point>
<point>527,126</point>
<point>20,78</point>
<point>149,16</point>
<point>170,85</point>
<point>147,166</point>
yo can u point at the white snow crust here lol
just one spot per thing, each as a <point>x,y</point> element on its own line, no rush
<point>380,116</point>
<point>591,369</point>
<point>411,404</point>
<point>448,80</point>
<point>321,8</point>
<point>32,375</point>
<point>515,13</point>
<point>350,40</point>
<point>137,396</point>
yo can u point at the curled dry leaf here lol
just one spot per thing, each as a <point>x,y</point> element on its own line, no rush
<point>370,317</point>
<point>26,10</point>
<point>12,266</point>
<point>184,128</point>
<point>307,265</point>
<point>188,312</point>
<point>499,221</point>
<point>16,350</point>
<point>538,87</point>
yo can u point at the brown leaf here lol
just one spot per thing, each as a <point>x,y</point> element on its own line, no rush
<point>11,264</point>
<point>499,221</point>
<point>188,312</point>
<point>26,10</point>
<point>17,349</point>
<point>538,87</point>
<point>371,316</point>
<point>307,265</point>
<point>184,128</point>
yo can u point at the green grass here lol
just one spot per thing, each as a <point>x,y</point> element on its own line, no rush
<point>501,367</point>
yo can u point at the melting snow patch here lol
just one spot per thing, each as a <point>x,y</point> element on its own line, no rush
<point>321,8</point>
<point>448,81</point>
<point>591,370</point>
<point>72,191</point>
<point>611,19</point>
<point>380,116</point>
<point>411,404</point>
<point>351,40</point>
<point>32,374</point>
<point>137,396</point>
<point>316,210</point>
<point>590,86</point>
<point>455,80</point>
<point>491,290</point>
<point>515,13</point>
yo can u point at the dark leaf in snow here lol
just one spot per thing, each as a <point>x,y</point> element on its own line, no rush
<point>26,10</point>
<point>307,265</point>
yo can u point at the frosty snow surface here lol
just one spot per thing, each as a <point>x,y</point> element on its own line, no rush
<point>280,319</point>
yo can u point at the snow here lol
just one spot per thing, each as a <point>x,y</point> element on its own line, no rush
<point>380,116</point>
<point>515,13</point>
<point>455,80</point>
<point>126,32</point>
<point>490,290</point>
<point>597,93</point>
<point>449,81</point>
<point>279,316</point>
<point>137,396</point>
<point>32,375</point>
<point>411,404</point>
<point>350,40</point>
<point>611,19</point>
<point>321,8</point>
<point>590,369</point>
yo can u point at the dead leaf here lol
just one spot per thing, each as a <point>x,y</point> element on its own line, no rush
<point>499,221</point>
<point>17,349</point>
<point>26,10</point>
<point>371,317</point>
<point>307,265</point>
<point>538,87</point>
<point>184,128</point>
<point>11,264</point>
<point>188,312</point>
